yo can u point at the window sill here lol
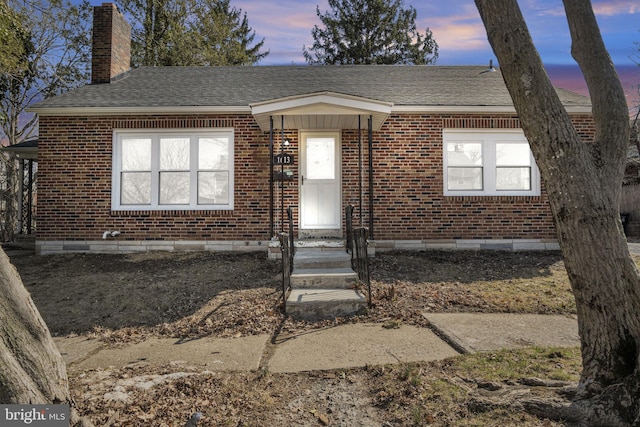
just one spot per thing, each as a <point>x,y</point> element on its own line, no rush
<point>493,198</point>
<point>172,213</point>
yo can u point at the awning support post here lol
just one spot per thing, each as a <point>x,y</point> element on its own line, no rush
<point>20,207</point>
<point>30,198</point>
<point>282,174</point>
<point>271,223</point>
<point>371,235</point>
<point>360,169</point>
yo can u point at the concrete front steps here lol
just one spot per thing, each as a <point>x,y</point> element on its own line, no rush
<point>323,285</point>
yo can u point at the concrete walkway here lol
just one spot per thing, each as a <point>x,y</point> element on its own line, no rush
<point>634,248</point>
<point>345,346</point>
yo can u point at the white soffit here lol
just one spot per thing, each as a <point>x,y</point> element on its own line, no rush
<point>325,110</point>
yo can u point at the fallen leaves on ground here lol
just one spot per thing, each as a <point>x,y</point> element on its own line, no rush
<point>129,298</point>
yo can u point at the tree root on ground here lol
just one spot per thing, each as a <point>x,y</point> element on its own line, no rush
<point>555,400</point>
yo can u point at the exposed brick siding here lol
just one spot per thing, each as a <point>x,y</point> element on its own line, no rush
<point>75,160</point>
<point>408,187</point>
<point>74,183</point>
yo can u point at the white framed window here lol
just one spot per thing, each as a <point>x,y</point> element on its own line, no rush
<point>172,169</point>
<point>486,162</point>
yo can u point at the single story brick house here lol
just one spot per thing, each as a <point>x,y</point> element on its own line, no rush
<point>209,158</point>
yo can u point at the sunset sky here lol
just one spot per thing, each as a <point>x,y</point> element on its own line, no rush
<point>286,27</point>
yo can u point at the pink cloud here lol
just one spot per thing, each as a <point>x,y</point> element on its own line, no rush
<point>460,32</point>
<point>570,77</point>
<point>281,17</point>
<point>616,7</point>
<point>285,26</point>
<point>602,8</point>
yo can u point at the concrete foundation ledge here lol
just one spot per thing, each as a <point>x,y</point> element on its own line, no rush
<point>272,247</point>
<point>118,245</point>
<point>472,244</point>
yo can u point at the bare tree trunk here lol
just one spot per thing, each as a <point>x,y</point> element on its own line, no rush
<point>583,179</point>
<point>31,368</point>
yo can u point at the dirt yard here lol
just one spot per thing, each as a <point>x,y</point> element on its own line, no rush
<point>124,298</point>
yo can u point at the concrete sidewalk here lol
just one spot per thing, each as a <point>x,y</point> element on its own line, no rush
<point>344,346</point>
<point>471,333</point>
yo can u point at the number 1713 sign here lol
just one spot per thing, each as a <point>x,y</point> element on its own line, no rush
<point>283,159</point>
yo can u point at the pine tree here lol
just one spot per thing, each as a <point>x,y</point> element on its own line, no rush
<point>370,32</point>
<point>190,32</point>
<point>224,36</point>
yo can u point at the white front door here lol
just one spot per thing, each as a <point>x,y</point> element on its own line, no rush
<point>320,184</point>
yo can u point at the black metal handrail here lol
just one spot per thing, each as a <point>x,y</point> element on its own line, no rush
<point>291,240</point>
<point>348,214</point>
<point>361,235</point>
<point>287,268</point>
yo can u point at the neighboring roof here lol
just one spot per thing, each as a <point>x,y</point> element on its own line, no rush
<point>234,89</point>
<point>24,150</point>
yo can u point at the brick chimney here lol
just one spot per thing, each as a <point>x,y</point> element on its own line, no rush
<point>111,51</point>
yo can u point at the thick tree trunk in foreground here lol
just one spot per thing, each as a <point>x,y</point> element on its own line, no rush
<point>31,368</point>
<point>583,178</point>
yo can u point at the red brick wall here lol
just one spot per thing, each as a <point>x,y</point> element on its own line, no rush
<point>409,203</point>
<point>74,184</point>
<point>408,188</point>
<point>74,190</point>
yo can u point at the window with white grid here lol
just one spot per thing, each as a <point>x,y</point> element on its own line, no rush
<point>489,162</point>
<point>173,170</point>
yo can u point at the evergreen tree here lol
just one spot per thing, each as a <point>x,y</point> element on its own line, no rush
<point>224,36</point>
<point>190,32</point>
<point>370,32</point>
<point>14,41</point>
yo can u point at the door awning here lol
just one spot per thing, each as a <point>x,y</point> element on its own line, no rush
<point>27,150</point>
<point>324,110</point>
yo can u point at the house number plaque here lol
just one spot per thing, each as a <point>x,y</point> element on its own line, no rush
<point>283,159</point>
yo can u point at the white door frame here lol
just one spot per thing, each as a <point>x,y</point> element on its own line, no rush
<point>320,193</point>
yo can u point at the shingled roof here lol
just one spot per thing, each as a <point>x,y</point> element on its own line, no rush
<point>235,89</point>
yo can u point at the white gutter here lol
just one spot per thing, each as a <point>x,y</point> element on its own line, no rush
<point>475,109</point>
<point>112,111</point>
<point>420,109</point>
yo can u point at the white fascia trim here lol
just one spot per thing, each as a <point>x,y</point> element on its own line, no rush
<point>269,108</point>
<point>474,109</point>
<point>357,104</point>
<point>113,111</point>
